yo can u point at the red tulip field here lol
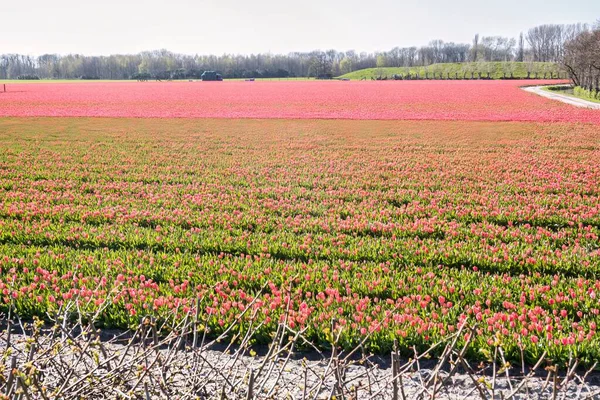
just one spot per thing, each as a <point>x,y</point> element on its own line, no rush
<point>409,100</point>
<point>398,209</point>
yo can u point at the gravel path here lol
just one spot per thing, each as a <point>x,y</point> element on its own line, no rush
<point>574,101</point>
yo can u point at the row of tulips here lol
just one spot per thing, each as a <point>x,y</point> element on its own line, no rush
<point>395,230</point>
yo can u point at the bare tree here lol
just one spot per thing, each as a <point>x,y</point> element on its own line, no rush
<point>521,49</point>
<point>547,41</point>
<point>582,60</point>
<point>475,48</point>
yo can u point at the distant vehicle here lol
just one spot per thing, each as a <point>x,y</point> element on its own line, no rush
<point>211,76</point>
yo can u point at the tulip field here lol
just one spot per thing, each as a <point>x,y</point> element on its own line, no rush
<point>408,100</point>
<point>398,209</point>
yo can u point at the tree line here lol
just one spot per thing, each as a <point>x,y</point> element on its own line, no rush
<point>545,43</point>
<point>582,61</point>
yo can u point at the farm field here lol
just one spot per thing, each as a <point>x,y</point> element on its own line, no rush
<point>411,100</point>
<point>397,229</point>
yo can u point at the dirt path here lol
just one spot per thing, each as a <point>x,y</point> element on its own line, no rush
<point>574,101</point>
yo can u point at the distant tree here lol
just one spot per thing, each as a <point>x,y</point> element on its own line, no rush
<point>179,73</point>
<point>320,65</point>
<point>282,73</point>
<point>490,69</point>
<point>497,48</point>
<point>437,51</point>
<point>521,49</point>
<point>411,56</point>
<point>395,57</point>
<point>582,60</point>
<point>437,71</point>
<point>512,67</point>
<point>143,68</point>
<point>455,53</point>
<point>480,67</point>
<point>346,65</point>
<point>468,70</point>
<point>547,41</point>
<point>475,48</point>
<point>530,66</point>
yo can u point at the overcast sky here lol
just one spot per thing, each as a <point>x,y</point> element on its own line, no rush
<point>232,26</point>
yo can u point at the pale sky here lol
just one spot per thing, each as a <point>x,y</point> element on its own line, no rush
<point>250,26</point>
